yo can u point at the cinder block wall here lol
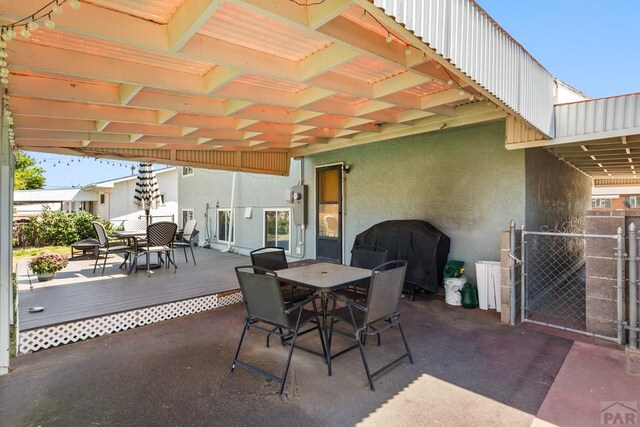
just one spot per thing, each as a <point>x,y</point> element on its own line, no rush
<point>601,263</point>
<point>506,285</point>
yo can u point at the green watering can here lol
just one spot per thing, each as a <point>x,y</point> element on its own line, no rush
<point>469,295</point>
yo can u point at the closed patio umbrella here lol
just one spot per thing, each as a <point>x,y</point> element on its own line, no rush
<point>147,194</point>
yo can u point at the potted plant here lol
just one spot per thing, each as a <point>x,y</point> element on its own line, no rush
<point>46,265</point>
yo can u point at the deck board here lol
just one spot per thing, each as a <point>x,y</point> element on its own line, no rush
<point>76,293</point>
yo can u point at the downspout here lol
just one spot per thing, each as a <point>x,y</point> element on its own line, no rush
<point>231,215</point>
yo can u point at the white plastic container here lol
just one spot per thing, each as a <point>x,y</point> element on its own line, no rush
<point>489,293</point>
<point>451,287</point>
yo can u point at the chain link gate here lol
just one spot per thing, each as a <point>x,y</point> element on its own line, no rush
<point>553,279</point>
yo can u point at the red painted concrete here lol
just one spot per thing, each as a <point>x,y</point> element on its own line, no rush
<point>590,376</point>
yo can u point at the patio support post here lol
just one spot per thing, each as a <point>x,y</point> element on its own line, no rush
<point>633,276</point>
<point>512,271</point>
<point>523,275</point>
<point>6,233</point>
<point>620,285</point>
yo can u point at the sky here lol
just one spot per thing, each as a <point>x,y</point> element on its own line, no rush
<point>590,45</point>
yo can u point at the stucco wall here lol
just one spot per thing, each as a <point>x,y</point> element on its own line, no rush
<point>252,190</point>
<point>463,181</point>
<point>557,195</point>
<point>120,205</point>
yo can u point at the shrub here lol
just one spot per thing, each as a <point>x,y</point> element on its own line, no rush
<point>56,228</point>
<point>48,263</point>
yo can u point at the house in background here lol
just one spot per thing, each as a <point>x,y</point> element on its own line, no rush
<point>262,209</point>
<point>616,194</point>
<point>114,199</point>
<point>32,202</point>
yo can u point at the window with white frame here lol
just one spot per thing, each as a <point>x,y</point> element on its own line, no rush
<point>187,170</point>
<point>226,230</point>
<point>187,215</point>
<point>277,228</point>
<point>600,202</point>
<point>632,201</point>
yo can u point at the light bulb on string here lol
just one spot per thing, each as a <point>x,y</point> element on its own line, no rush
<point>12,33</point>
<point>2,45</point>
<point>25,33</point>
<point>407,50</point>
<point>3,54</point>
<point>388,39</point>
<point>57,9</point>
<point>33,25</point>
<point>75,4</point>
<point>49,23</point>
<point>6,36</point>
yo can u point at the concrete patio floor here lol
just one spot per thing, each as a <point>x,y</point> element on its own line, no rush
<point>469,370</point>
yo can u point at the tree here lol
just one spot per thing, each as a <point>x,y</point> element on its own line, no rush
<point>28,176</point>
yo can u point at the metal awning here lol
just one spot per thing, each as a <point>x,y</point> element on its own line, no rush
<point>227,84</point>
<point>601,137</point>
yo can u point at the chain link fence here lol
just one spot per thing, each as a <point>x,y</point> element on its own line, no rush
<point>555,272</point>
<point>572,281</point>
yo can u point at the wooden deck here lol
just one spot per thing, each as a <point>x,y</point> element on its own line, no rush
<point>76,293</point>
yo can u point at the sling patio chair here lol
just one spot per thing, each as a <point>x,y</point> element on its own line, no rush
<point>364,256</point>
<point>265,305</point>
<point>184,240</point>
<point>107,246</point>
<point>379,313</point>
<point>274,258</point>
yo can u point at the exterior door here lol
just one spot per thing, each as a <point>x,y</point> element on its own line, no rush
<point>329,214</point>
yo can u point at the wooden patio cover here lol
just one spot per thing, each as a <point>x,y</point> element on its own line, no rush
<point>225,84</point>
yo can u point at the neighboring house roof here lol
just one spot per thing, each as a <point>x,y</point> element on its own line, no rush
<point>53,195</point>
<point>111,182</point>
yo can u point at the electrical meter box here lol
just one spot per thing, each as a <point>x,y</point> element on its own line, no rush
<point>299,194</point>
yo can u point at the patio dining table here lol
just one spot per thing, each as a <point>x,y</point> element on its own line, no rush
<point>136,236</point>
<point>323,277</point>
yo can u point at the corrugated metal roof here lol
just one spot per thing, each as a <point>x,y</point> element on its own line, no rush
<point>598,117</point>
<point>463,33</point>
<point>53,195</point>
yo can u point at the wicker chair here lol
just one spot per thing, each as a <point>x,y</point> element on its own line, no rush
<point>160,236</point>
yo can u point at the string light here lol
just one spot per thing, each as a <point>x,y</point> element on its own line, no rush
<point>26,26</point>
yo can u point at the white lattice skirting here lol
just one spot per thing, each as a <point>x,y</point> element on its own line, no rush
<point>52,336</point>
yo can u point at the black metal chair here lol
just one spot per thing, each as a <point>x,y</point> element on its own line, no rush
<point>184,240</point>
<point>364,256</point>
<point>107,246</point>
<point>274,258</point>
<point>378,314</point>
<point>264,302</point>
<point>160,236</point>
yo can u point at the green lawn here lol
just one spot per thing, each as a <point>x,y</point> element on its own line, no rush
<point>25,254</point>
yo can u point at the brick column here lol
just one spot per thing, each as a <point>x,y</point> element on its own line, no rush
<point>601,267</point>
